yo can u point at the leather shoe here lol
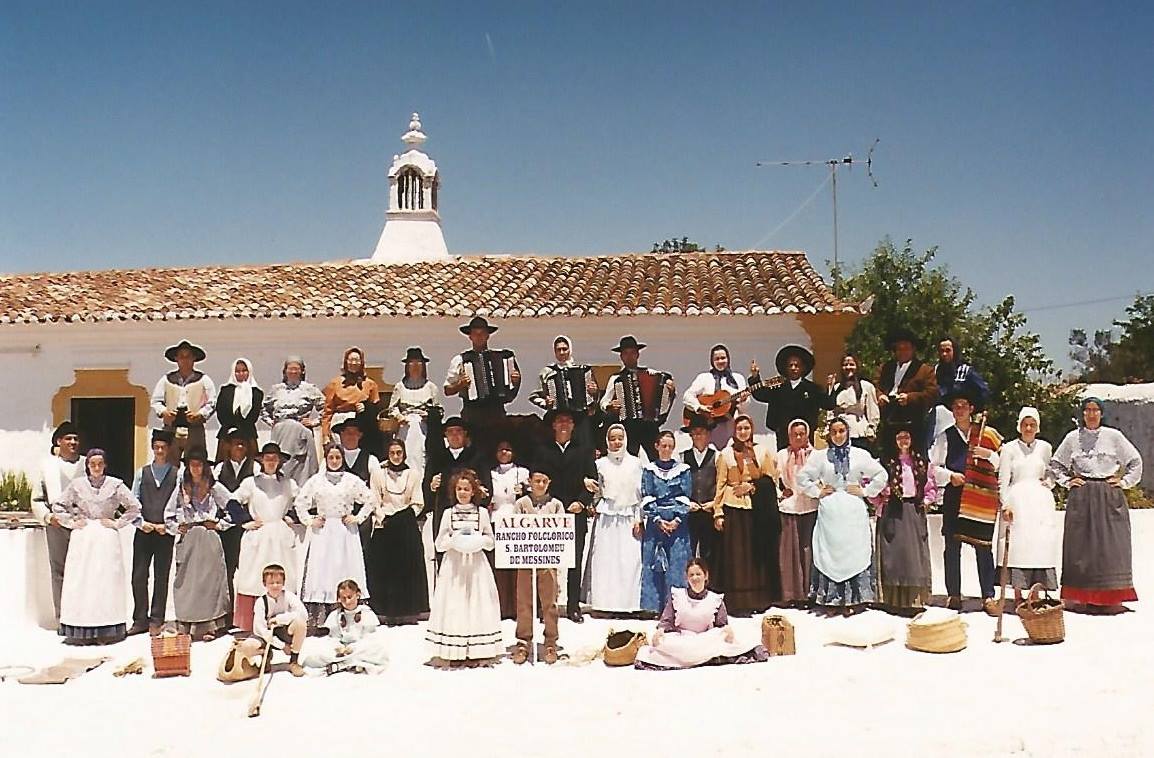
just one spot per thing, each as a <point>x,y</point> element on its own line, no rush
<point>520,654</point>
<point>954,603</point>
<point>137,629</point>
<point>577,617</point>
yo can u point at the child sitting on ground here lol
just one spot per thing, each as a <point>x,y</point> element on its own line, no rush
<point>354,642</point>
<point>537,501</point>
<point>279,619</point>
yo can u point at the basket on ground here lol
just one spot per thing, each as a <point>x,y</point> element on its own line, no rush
<point>171,655</point>
<point>621,647</point>
<point>1044,618</point>
<point>936,634</point>
<point>777,635</point>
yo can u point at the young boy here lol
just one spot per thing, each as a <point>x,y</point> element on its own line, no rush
<point>281,615</point>
<point>702,462</point>
<point>152,544</point>
<point>537,501</point>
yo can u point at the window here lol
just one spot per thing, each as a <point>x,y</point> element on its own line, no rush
<point>410,190</point>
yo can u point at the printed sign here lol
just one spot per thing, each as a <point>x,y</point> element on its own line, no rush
<point>534,541</point>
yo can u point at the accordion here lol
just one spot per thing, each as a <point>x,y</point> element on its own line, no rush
<point>489,374</point>
<point>568,388</point>
<point>643,395</point>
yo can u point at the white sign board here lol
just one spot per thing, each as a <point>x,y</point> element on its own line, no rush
<point>535,541</point>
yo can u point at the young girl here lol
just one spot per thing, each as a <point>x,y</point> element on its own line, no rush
<point>332,505</point>
<point>196,513</point>
<point>268,538</point>
<point>396,570</point>
<point>694,629</point>
<point>903,534</point>
<point>465,620</point>
<point>614,568</point>
<point>510,482</point>
<point>355,642</point>
<point>94,508</point>
<point>666,485</point>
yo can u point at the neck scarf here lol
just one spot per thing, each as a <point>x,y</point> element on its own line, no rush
<point>795,459</point>
<point>396,469</point>
<point>720,376</point>
<point>839,456</point>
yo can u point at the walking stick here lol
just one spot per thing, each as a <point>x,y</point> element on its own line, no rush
<point>1002,586</point>
<point>261,683</point>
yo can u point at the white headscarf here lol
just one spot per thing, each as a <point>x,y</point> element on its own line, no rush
<point>569,342</point>
<point>1029,412</point>
<point>242,396</point>
<point>624,487</point>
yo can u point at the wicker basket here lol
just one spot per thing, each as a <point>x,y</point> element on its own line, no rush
<point>387,424</point>
<point>171,654</point>
<point>621,647</point>
<point>777,635</point>
<point>1043,618</point>
<point>945,636</point>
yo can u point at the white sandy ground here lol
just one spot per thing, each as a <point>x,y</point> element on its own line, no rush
<point>1090,696</point>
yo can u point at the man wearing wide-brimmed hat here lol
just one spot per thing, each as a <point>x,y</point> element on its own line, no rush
<point>484,378</point>
<point>795,398</point>
<point>907,387</point>
<point>640,432</point>
<point>52,477</point>
<point>184,399</point>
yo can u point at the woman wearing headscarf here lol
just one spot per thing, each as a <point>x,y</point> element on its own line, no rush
<point>1024,483</point>
<point>351,394</point>
<point>293,409</point>
<point>1097,462</point>
<point>613,572</point>
<point>745,513</point>
<point>798,516</point>
<point>238,406</point>
<point>197,513</point>
<point>666,488</point>
<point>412,399</point>
<point>720,376</point>
<point>92,601</point>
<point>903,533</point>
<point>856,400</point>
<point>395,567</point>
<point>842,577</point>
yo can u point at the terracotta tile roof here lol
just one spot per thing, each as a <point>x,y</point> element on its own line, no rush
<point>512,286</point>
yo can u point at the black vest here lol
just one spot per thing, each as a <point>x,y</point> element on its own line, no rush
<point>230,480</point>
<point>153,496</point>
<point>360,466</point>
<point>704,477</point>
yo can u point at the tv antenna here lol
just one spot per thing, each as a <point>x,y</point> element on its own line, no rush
<point>834,164</point>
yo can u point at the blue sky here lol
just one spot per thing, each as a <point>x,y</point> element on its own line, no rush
<point>1017,138</point>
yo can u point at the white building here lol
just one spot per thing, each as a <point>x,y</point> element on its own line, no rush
<point>89,345</point>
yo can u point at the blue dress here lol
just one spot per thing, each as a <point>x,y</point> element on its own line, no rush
<point>665,494</point>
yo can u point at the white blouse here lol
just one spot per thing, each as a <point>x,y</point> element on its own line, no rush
<point>396,491</point>
<point>80,500</point>
<point>620,483</point>
<point>405,401</point>
<point>334,500</point>
<point>864,470</point>
<point>1096,454</point>
<point>508,485</point>
<point>1021,462</point>
<point>267,497</point>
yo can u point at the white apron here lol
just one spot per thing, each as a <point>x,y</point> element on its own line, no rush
<point>842,541</point>
<point>94,578</point>
<point>1034,537</point>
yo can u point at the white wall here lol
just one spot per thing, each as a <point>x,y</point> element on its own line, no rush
<point>29,379</point>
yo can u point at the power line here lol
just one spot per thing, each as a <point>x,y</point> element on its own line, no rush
<point>1095,301</point>
<point>793,215</point>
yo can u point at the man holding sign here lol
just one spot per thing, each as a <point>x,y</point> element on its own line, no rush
<point>538,501</point>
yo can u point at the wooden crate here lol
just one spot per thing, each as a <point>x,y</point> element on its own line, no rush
<point>777,635</point>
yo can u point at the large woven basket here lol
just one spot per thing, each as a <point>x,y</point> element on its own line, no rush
<point>1044,618</point>
<point>621,647</point>
<point>387,424</point>
<point>777,635</point>
<point>946,636</point>
<point>171,655</point>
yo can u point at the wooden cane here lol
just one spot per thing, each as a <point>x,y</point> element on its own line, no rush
<point>261,684</point>
<point>1002,586</point>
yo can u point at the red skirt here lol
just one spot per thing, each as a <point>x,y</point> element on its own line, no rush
<point>242,614</point>
<point>1099,597</point>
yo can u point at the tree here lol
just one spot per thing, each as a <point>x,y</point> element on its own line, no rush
<point>1092,357</point>
<point>1129,358</point>
<point>910,291</point>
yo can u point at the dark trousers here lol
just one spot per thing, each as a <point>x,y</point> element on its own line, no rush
<point>230,542</point>
<point>702,536</point>
<point>150,550</point>
<point>642,435</point>
<point>573,584</point>
<point>952,555</point>
<point>57,537</point>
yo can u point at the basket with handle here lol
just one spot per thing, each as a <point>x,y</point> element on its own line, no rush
<point>171,654</point>
<point>621,647</point>
<point>1043,617</point>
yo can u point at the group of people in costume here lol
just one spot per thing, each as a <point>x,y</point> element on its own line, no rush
<point>360,510</point>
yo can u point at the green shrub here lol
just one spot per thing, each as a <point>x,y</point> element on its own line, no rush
<point>15,492</point>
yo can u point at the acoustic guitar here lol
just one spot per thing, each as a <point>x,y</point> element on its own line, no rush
<point>720,404</point>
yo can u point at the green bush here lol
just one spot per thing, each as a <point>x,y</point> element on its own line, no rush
<point>15,492</point>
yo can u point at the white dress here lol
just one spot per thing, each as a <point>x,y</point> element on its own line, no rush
<point>509,483</point>
<point>1035,541</point>
<point>465,615</point>
<point>269,499</point>
<point>358,632</point>
<point>333,550</point>
<point>613,571</point>
<point>411,407</point>
<point>93,594</point>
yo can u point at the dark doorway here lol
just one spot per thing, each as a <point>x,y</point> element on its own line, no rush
<point>108,423</point>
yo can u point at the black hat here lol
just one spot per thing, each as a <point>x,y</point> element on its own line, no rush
<point>197,351</point>
<point>232,433</point>
<point>696,421</point>
<point>539,467</point>
<point>788,352</point>
<point>553,413</point>
<point>902,334</point>
<point>66,428</point>
<point>415,354</point>
<point>272,447</point>
<point>196,453</point>
<point>455,421</point>
<point>963,391</point>
<point>163,435</point>
<point>351,421</point>
<point>477,322</point>
<point>628,341</point>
